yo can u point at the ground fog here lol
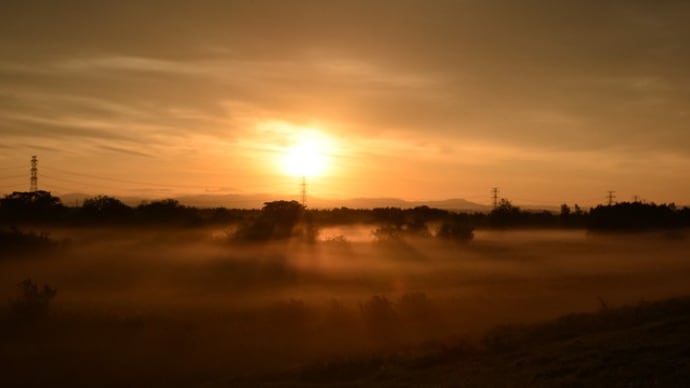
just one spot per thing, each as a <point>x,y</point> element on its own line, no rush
<point>147,301</point>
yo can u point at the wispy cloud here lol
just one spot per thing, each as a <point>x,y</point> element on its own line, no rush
<point>483,88</point>
<point>126,151</point>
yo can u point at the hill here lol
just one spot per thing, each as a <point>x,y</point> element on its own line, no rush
<point>256,201</point>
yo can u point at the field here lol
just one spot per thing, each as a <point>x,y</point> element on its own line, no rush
<point>188,307</point>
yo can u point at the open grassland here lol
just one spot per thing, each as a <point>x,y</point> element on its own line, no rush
<point>187,307</point>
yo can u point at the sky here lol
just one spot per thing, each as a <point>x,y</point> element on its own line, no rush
<point>550,101</point>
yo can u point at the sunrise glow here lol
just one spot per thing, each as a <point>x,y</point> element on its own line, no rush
<point>308,155</point>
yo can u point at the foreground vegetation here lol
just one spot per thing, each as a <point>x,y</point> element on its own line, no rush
<point>643,345</point>
<point>178,307</point>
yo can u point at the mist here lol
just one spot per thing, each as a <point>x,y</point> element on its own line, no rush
<point>232,308</point>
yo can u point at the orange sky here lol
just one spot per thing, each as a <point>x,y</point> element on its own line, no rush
<point>418,100</point>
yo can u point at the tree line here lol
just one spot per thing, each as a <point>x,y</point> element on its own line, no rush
<point>41,207</point>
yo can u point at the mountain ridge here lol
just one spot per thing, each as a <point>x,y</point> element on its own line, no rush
<point>256,201</point>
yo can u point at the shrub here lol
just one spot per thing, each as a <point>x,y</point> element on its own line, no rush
<point>34,301</point>
<point>378,314</point>
<point>278,220</point>
<point>454,230</point>
<point>415,306</point>
<point>16,242</point>
<point>387,234</point>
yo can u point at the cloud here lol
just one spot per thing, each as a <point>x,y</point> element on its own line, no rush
<point>481,84</point>
<point>524,74</point>
<point>125,151</point>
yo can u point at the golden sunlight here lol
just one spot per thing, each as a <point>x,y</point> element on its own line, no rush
<point>308,155</point>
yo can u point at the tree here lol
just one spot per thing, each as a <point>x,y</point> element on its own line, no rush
<point>455,229</point>
<point>634,216</point>
<point>504,214</point>
<point>165,210</point>
<point>30,206</point>
<point>566,215</point>
<point>277,220</point>
<point>104,208</point>
<point>34,302</point>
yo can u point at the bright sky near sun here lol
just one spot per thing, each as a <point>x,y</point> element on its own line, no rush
<point>551,101</point>
<point>308,155</point>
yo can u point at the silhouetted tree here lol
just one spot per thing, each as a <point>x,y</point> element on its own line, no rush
<point>387,234</point>
<point>15,242</point>
<point>30,206</point>
<point>277,220</point>
<point>104,208</point>
<point>379,316</point>
<point>455,228</point>
<point>34,301</point>
<point>167,211</point>
<point>417,220</point>
<point>634,216</point>
<point>390,216</point>
<point>565,211</point>
<point>415,306</point>
<point>505,214</point>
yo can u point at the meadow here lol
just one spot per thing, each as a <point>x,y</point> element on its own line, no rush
<point>180,306</point>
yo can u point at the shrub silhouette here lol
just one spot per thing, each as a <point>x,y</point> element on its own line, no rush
<point>104,208</point>
<point>379,316</point>
<point>635,216</point>
<point>387,234</point>
<point>277,220</point>
<point>14,242</point>
<point>34,301</point>
<point>291,313</point>
<point>415,306</point>
<point>505,214</point>
<point>453,229</point>
<point>30,206</point>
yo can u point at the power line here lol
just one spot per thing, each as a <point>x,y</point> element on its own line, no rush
<point>124,180</point>
<point>52,178</point>
<point>58,187</point>
<point>11,186</point>
<point>13,176</point>
<point>495,196</point>
<point>17,167</point>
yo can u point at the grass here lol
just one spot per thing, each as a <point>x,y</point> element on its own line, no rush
<point>645,345</point>
<point>176,308</point>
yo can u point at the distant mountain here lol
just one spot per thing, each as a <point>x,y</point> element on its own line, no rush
<point>76,199</point>
<point>236,201</point>
<point>256,201</point>
<point>368,203</point>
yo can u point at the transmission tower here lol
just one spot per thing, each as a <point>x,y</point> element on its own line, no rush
<point>304,191</point>
<point>34,174</point>
<point>611,197</point>
<point>494,192</point>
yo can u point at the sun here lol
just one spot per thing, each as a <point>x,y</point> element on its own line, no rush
<point>308,155</point>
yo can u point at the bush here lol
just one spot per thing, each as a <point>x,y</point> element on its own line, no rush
<point>278,220</point>
<point>387,234</point>
<point>454,230</point>
<point>415,306</point>
<point>15,242</point>
<point>34,301</point>
<point>378,314</point>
